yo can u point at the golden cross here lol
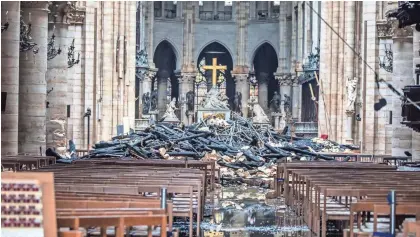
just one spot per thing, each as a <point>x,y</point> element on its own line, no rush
<point>214,67</point>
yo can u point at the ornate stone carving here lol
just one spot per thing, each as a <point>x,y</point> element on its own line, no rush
<point>187,78</point>
<point>259,115</point>
<point>214,100</point>
<point>351,87</point>
<point>190,100</point>
<point>385,29</point>
<point>240,78</point>
<point>141,58</point>
<point>275,102</point>
<point>76,14</point>
<point>170,112</point>
<point>60,12</point>
<point>285,79</point>
<point>402,32</point>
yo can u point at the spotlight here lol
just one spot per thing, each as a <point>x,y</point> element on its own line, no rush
<point>380,104</point>
<point>358,118</point>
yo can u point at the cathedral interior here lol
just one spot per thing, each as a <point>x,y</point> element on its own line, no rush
<point>210,118</point>
<point>70,64</point>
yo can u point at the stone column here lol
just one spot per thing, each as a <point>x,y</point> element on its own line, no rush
<point>32,83</point>
<point>295,98</point>
<point>349,126</point>
<point>57,79</point>
<point>416,60</point>
<point>10,77</point>
<point>285,82</point>
<point>188,64</point>
<point>162,87</point>
<point>402,63</point>
<point>242,86</point>
<point>149,9</point>
<point>350,17</point>
<point>186,84</point>
<point>263,90</point>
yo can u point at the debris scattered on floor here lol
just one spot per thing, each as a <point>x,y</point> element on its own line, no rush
<point>241,149</point>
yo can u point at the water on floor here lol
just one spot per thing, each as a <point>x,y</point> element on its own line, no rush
<point>244,211</point>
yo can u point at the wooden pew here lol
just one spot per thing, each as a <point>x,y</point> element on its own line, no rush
<point>126,182</point>
<point>308,186</point>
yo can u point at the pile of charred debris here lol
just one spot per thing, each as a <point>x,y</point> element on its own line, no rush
<point>241,149</point>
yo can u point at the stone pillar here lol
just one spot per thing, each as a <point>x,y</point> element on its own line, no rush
<point>349,126</point>
<point>402,63</point>
<point>145,86</point>
<point>32,83</point>
<point>242,86</point>
<point>162,87</point>
<point>416,60</point>
<point>149,9</point>
<point>350,17</point>
<point>57,79</point>
<point>188,64</point>
<point>263,90</point>
<point>10,77</point>
<point>295,98</point>
<point>285,82</point>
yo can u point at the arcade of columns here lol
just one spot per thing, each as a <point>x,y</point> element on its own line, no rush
<point>241,73</point>
<point>47,98</point>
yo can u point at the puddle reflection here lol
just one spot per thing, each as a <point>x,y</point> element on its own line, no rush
<point>244,211</point>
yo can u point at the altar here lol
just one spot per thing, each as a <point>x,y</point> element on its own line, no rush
<point>215,104</point>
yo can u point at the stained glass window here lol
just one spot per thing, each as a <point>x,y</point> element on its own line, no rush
<point>201,82</point>
<point>253,88</point>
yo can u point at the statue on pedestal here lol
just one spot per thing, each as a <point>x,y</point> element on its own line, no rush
<point>146,102</point>
<point>214,100</point>
<point>237,103</point>
<point>259,115</point>
<point>275,102</point>
<point>287,106</point>
<point>190,101</point>
<point>351,87</point>
<point>170,111</point>
<point>154,100</point>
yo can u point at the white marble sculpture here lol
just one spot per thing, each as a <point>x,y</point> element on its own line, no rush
<point>170,111</point>
<point>351,87</point>
<point>214,100</point>
<point>259,114</point>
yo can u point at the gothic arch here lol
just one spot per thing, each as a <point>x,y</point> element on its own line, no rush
<point>174,49</point>
<point>256,48</point>
<point>198,52</point>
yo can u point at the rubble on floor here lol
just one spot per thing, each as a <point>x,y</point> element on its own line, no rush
<point>242,150</point>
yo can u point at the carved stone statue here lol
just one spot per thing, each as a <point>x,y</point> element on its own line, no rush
<point>170,111</point>
<point>287,106</point>
<point>351,87</point>
<point>237,102</point>
<point>190,101</point>
<point>146,102</point>
<point>275,102</point>
<point>259,115</point>
<point>215,100</point>
<point>154,100</point>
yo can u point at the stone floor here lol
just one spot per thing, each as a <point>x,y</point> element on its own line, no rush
<point>244,211</point>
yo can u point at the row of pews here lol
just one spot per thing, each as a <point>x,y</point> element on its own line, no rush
<point>341,191</point>
<point>23,162</point>
<point>118,196</point>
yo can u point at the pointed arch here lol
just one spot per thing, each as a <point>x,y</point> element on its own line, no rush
<point>174,49</point>
<point>255,51</point>
<point>198,52</point>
